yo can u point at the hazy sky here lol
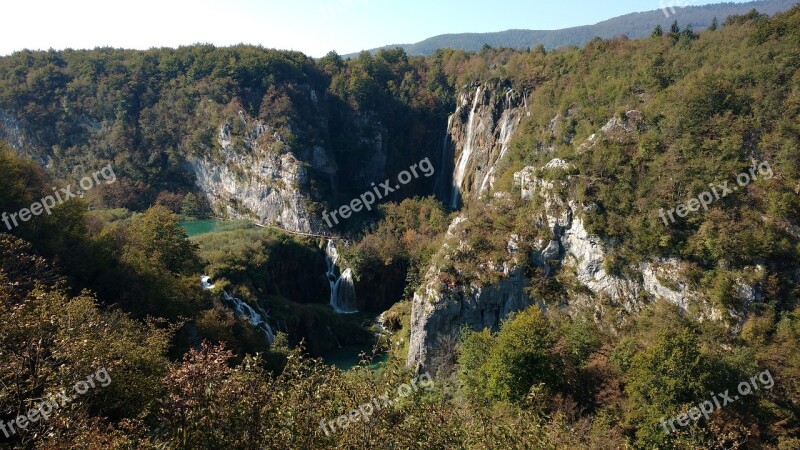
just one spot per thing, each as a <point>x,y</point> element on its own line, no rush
<point>311,26</point>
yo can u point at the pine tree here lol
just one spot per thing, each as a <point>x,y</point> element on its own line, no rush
<point>675,29</point>
<point>714,25</point>
<point>658,31</point>
<point>688,32</point>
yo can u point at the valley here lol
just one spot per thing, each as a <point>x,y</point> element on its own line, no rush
<point>494,221</point>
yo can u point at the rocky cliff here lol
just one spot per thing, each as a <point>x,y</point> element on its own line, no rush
<point>256,176</point>
<point>479,133</point>
<point>265,135</point>
<point>440,310</point>
<point>564,248</point>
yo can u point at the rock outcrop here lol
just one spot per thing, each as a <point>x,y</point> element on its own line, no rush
<point>255,181</point>
<point>14,134</point>
<point>440,310</point>
<point>480,131</point>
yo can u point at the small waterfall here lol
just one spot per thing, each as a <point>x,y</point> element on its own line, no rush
<point>243,310</point>
<point>331,257</point>
<point>205,280</point>
<point>466,153</point>
<point>525,99</point>
<point>343,291</point>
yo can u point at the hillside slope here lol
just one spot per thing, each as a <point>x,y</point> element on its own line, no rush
<point>612,261</point>
<point>635,26</point>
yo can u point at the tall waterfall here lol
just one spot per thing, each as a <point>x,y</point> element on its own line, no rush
<point>466,153</point>
<point>257,318</point>
<point>343,291</point>
<point>507,126</point>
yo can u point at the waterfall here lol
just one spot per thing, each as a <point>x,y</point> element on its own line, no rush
<point>343,291</point>
<point>506,132</point>
<point>243,310</point>
<point>205,280</point>
<point>466,153</point>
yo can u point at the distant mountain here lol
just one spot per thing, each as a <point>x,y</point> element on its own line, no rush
<point>635,25</point>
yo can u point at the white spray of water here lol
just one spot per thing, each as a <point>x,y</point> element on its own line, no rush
<point>243,310</point>
<point>466,153</point>
<point>507,126</point>
<point>343,291</point>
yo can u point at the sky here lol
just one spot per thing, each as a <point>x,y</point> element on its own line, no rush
<point>312,26</point>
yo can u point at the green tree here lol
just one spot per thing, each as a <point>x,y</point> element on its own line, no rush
<point>667,379</point>
<point>473,352</point>
<point>688,33</point>
<point>658,31</point>
<point>521,357</point>
<point>190,206</point>
<point>332,63</point>
<point>155,241</point>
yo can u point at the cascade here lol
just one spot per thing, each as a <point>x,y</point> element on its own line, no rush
<point>257,318</point>
<point>244,310</point>
<point>466,153</point>
<point>507,127</point>
<point>343,291</point>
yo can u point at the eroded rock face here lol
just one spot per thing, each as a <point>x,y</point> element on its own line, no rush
<point>11,132</point>
<point>577,250</point>
<point>440,311</point>
<point>480,132</point>
<point>259,179</point>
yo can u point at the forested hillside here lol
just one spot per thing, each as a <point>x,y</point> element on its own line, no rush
<point>537,314</point>
<point>155,114</point>
<point>634,26</point>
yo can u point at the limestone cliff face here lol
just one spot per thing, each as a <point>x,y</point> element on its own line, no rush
<point>440,310</point>
<point>11,132</point>
<point>573,248</point>
<point>480,131</point>
<point>281,170</point>
<point>256,176</point>
<point>258,173</point>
